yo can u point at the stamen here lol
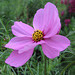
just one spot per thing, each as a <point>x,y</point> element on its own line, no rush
<point>37,35</point>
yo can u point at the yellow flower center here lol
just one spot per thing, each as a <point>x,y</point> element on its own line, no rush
<point>37,35</point>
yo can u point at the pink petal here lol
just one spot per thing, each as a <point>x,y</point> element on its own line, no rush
<point>47,20</point>
<point>38,20</point>
<point>18,42</point>
<point>18,60</point>
<point>30,45</point>
<point>51,21</point>
<point>58,42</point>
<point>49,51</point>
<point>21,29</point>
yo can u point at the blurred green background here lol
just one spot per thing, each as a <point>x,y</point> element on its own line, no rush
<point>24,10</point>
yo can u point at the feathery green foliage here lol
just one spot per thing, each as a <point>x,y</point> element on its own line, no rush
<point>24,10</point>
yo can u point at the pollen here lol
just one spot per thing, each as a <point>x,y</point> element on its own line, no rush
<point>37,35</point>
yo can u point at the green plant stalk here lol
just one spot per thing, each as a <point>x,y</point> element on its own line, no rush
<point>67,67</point>
<point>5,28</point>
<point>45,70</point>
<point>29,69</point>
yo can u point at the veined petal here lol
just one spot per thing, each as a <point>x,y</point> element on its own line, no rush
<point>15,59</point>
<point>49,51</point>
<point>29,46</point>
<point>18,42</point>
<point>47,20</point>
<point>21,29</point>
<point>38,20</point>
<point>51,20</point>
<point>58,42</point>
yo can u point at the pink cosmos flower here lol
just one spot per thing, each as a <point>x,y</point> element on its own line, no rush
<point>72,2</point>
<point>46,25</point>
<point>72,6</point>
<point>67,21</point>
<point>66,2</point>
<point>62,13</point>
<point>62,2</point>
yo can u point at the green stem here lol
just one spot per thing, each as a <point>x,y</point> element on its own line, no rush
<point>67,67</point>
<point>45,67</point>
<point>5,28</point>
<point>29,69</point>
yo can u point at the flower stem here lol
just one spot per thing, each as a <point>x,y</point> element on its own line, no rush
<point>29,69</point>
<point>5,28</point>
<point>45,72</point>
<point>67,67</point>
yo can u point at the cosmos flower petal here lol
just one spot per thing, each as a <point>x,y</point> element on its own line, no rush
<point>18,42</point>
<point>49,51</point>
<point>58,42</point>
<point>51,21</point>
<point>18,60</point>
<point>38,19</point>
<point>21,29</point>
<point>47,20</point>
<point>30,46</point>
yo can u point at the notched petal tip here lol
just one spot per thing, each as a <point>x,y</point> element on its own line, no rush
<point>17,22</point>
<point>7,46</point>
<point>41,9</point>
<point>50,4</point>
